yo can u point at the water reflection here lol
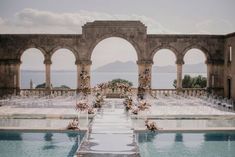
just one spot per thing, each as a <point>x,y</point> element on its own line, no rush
<point>14,136</point>
<point>178,137</point>
<point>215,144</point>
<point>48,136</point>
<point>219,137</point>
<point>193,140</point>
<point>39,144</point>
<point>49,143</point>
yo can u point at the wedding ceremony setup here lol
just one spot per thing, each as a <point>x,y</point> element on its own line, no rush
<point>117,79</point>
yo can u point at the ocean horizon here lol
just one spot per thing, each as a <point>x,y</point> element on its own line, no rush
<point>68,78</point>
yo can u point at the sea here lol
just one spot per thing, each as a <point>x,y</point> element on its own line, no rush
<point>68,78</point>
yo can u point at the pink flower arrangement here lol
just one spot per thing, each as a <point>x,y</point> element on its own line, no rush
<point>143,105</point>
<point>81,106</point>
<point>152,126</point>
<point>73,125</point>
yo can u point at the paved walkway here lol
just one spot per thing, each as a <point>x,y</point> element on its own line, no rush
<point>110,134</point>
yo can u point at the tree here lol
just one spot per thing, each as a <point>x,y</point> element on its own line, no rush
<point>199,82</point>
<point>192,82</point>
<point>115,81</point>
<point>62,87</point>
<point>43,85</point>
<point>187,81</point>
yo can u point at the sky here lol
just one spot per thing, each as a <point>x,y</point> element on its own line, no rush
<point>160,16</point>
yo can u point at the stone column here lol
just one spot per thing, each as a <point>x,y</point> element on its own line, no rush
<point>17,78</point>
<point>179,76</point>
<point>48,63</point>
<point>10,76</point>
<point>209,75</point>
<point>83,75</point>
<point>145,76</point>
<point>215,76</point>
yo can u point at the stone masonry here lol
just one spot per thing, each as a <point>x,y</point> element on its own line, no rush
<point>216,48</point>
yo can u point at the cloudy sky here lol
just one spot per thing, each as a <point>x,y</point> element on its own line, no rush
<point>160,16</point>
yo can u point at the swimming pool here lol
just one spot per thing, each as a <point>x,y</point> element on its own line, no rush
<point>210,144</point>
<point>39,144</point>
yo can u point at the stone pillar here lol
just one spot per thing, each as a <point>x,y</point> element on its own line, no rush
<point>209,75</point>
<point>17,78</point>
<point>179,70</point>
<point>48,63</point>
<point>215,77</point>
<point>83,75</point>
<point>10,80</point>
<point>145,76</point>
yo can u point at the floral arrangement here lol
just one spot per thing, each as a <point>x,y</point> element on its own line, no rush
<point>135,110</point>
<point>128,102</point>
<point>85,89</point>
<point>145,78</point>
<point>103,86</point>
<point>143,105</point>
<point>124,86</point>
<point>85,77</point>
<point>73,125</point>
<point>152,126</point>
<point>91,110</point>
<point>98,101</point>
<point>82,106</point>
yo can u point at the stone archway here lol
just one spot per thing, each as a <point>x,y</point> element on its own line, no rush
<point>118,52</point>
<point>166,57</point>
<point>201,48</point>
<point>32,59</point>
<point>132,31</point>
<point>214,46</point>
<point>68,58</point>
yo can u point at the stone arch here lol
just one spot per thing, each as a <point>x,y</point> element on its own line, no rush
<point>118,35</point>
<point>164,80</point>
<point>58,55</point>
<point>114,42</point>
<point>67,48</point>
<point>22,50</point>
<point>37,58</point>
<point>201,48</point>
<point>205,55</point>
<point>168,47</point>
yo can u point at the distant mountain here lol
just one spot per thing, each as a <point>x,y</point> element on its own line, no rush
<point>118,66</point>
<point>130,66</point>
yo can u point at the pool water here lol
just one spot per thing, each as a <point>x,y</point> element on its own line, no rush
<point>211,144</point>
<point>48,144</point>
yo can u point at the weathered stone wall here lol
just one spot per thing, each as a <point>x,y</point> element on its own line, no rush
<point>210,45</point>
<point>132,31</point>
<point>135,32</point>
<point>229,67</point>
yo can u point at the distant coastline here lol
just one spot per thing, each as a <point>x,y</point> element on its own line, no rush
<point>131,67</point>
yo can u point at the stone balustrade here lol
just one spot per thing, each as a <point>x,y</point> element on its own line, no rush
<point>114,92</point>
<point>44,92</point>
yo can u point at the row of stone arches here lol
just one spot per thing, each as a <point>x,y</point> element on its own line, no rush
<point>141,53</point>
<point>75,57</point>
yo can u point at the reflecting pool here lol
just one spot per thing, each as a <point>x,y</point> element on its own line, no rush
<point>210,144</point>
<point>47,144</point>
